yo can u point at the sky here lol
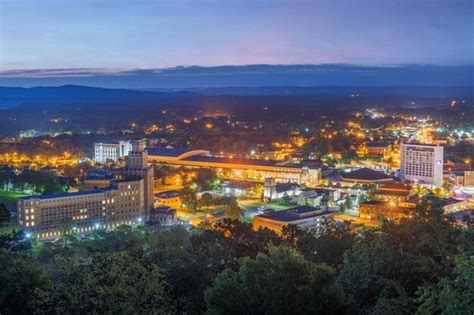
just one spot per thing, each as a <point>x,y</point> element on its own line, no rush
<point>114,37</point>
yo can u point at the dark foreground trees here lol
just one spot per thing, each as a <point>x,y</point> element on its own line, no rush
<point>422,264</point>
<point>280,282</point>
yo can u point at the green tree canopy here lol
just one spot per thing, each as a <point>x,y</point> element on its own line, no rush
<point>282,282</point>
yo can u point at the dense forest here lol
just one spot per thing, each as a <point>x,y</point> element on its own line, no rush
<point>423,264</point>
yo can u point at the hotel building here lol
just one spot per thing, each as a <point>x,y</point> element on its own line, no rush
<point>111,151</point>
<point>125,202</point>
<point>422,163</point>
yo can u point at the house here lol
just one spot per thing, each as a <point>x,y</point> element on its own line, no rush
<point>308,197</point>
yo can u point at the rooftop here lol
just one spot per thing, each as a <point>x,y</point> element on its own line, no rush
<point>166,152</point>
<point>294,214</point>
<point>365,174</point>
<point>396,186</point>
<point>217,159</point>
<point>168,194</point>
<point>61,195</point>
<point>283,187</point>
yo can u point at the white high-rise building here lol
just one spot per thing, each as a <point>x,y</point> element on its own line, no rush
<point>111,151</point>
<point>422,163</point>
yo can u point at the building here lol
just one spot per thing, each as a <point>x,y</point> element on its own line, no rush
<point>422,164</point>
<point>455,205</point>
<point>308,197</point>
<point>462,178</point>
<point>375,209</point>
<point>50,216</point>
<point>126,201</point>
<point>170,198</point>
<point>136,166</point>
<point>304,217</point>
<point>162,216</point>
<point>396,192</point>
<point>111,151</point>
<point>375,149</point>
<point>273,190</point>
<point>238,189</point>
<point>361,176</point>
<point>97,178</point>
<point>237,168</point>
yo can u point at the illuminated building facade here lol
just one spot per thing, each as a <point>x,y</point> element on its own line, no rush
<point>422,163</point>
<point>111,151</point>
<point>136,166</point>
<point>375,209</point>
<point>234,168</point>
<point>304,217</point>
<point>127,201</point>
<point>50,216</point>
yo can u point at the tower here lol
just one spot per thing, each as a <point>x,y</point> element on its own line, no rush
<point>136,166</point>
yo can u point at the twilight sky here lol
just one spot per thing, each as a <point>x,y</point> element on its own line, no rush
<point>135,35</point>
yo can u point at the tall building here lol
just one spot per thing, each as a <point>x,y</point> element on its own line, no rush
<point>136,166</point>
<point>129,200</point>
<point>422,163</point>
<point>111,151</point>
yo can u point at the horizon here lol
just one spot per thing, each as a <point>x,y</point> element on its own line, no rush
<point>256,75</point>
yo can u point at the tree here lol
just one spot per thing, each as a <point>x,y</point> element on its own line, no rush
<point>326,244</point>
<point>233,211</point>
<point>282,282</point>
<point>22,283</point>
<point>206,179</point>
<point>112,283</point>
<point>4,215</point>
<point>290,233</point>
<point>206,200</point>
<point>189,199</point>
<point>385,269</point>
<point>453,295</point>
<point>348,204</point>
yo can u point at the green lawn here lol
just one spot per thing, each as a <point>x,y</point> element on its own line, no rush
<point>9,198</point>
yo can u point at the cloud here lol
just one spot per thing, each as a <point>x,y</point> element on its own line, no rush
<point>248,75</point>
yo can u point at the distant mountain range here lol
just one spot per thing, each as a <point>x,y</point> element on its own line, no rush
<point>89,96</point>
<point>424,91</point>
<point>11,96</point>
